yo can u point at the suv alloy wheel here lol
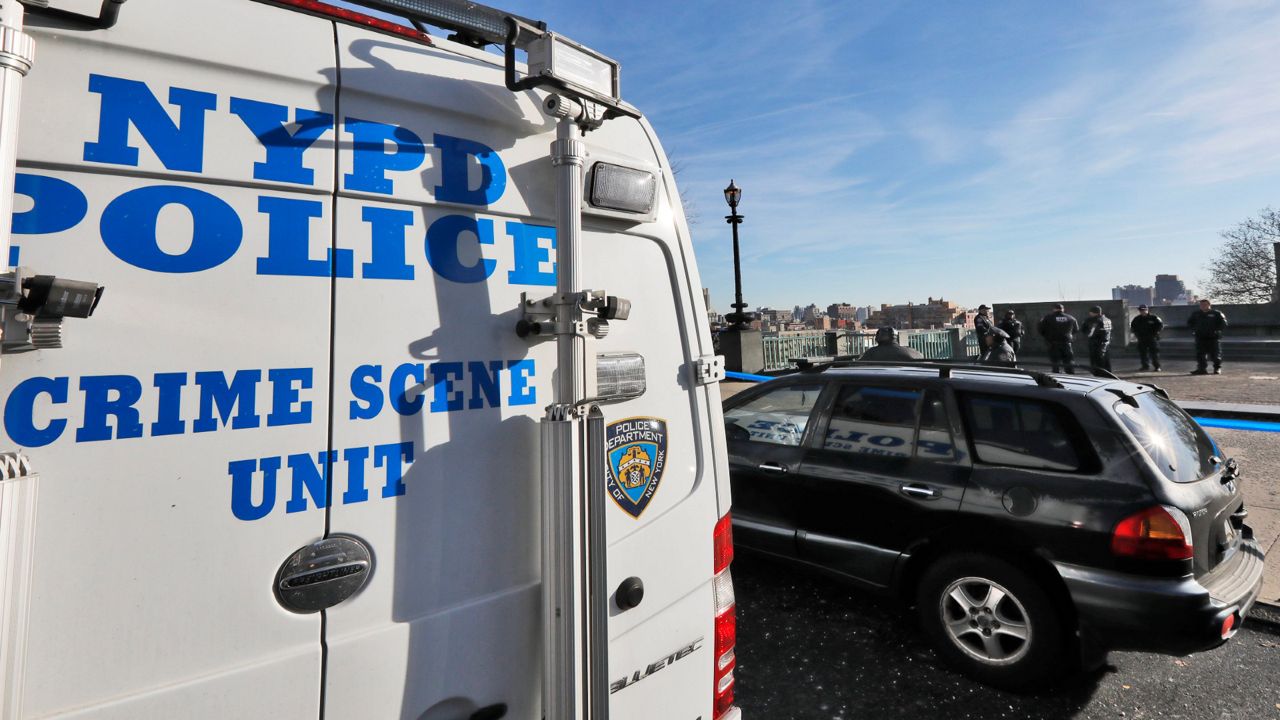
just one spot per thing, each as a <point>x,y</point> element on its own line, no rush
<point>990,620</point>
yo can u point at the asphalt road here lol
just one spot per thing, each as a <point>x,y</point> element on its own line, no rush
<point>810,648</point>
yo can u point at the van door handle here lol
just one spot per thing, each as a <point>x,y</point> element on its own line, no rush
<point>770,467</point>
<point>917,491</point>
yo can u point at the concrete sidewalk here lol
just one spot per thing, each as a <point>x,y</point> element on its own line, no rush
<point>1259,457</point>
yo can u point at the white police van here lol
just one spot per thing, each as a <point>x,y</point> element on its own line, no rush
<point>393,329</point>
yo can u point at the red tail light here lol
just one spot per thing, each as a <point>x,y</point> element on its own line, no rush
<point>1157,533</point>
<point>723,544</point>
<point>359,18</point>
<point>1228,626</point>
<point>726,629</point>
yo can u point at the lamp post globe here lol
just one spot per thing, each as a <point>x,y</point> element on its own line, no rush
<point>739,318</point>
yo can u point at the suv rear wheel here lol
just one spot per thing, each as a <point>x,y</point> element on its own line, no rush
<point>991,620</point>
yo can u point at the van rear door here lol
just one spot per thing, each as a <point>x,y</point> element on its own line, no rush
<point>435,395</point>
<point>447,200</point>
<point>169,430</point>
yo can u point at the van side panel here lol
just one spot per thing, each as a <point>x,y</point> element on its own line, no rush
<point>177,431</point>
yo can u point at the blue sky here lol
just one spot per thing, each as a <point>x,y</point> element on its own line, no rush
<point>996,151</point>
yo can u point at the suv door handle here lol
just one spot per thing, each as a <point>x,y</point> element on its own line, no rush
<point>770,467</point>
<point>917,491</point>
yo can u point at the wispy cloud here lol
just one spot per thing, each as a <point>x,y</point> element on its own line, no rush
<point>890,150</point>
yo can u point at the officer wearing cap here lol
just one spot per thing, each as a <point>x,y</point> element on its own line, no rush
<point>999,351</point>
<point>1146,328</point>
<point>1207,325</point>
<point>1058,330</point>
<point>982,325</point>
<point>1012,327</point>
<point>1097,328</point>
<point>887,348</point>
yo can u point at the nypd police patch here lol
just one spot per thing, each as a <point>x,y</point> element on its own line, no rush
<point>637,454</point>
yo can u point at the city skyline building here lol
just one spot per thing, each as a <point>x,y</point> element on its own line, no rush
<point>1135,295</point>
<point>1169,290</point>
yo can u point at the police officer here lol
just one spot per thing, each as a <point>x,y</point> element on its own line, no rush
<point>1012,327</point>
<point>1097,328</point>
<point>999,351</point>
<point>1058,330</point>
<point>1146,327</point>
<point>981,326</point>
<point>887,348</point>
<point>1207,325</point>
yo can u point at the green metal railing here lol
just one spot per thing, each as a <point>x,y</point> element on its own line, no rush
<point>781,348</point>
<point>933,344</point>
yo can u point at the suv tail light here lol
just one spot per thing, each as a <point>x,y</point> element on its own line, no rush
<point>726,620</point>
<point>1156,533</point>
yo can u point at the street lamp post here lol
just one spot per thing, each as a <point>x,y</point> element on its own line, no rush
<point>738,318</point>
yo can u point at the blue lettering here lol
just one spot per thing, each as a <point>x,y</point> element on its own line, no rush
<point>238,395</point>
<point>364,386</point>
<point>387,258</point>
<point>522,393</point>
<point>356,492</point>
<point>485,385</point>
<point>129,229</point>
<point>169,407</point>
<point>313,477</point>
<point>398,388</point>
<point>444,398</point>
<point>242,472</point>
<point>394,456</point>
<point>284,149</point>
<point>179,146</point>
<point>289,240</point>
<point>98,405</point>
<point>455,185</point>
<point>284,396</point>
<point>442,248</point>
<point>59,205</point>
<point>19,411</point>
<point>370,159</point>
<point>531,254</point>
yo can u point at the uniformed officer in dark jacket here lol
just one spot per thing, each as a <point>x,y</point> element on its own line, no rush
<point>1146,327</point>
<point>1059,329</point>
<point>1097,328</point>
<point>1012,327</point>
<point>999,351</point>
<point>981,326</point>
<point>1207,325</point>
<point>887,348</point>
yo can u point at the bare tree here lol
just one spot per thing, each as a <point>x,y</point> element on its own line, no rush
<point>690,210</point>
<point>1244,270</point>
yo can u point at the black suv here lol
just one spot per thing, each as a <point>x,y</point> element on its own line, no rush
<point>1028,517</point>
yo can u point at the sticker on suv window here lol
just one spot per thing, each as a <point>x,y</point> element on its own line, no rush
<point>636,449</point>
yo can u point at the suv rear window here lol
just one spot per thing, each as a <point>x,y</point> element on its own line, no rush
<point>778,417</point>
<point>1173,441</point>
<point>1021,432</point>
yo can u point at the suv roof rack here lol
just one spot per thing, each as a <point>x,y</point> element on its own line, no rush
<point>944,369</point>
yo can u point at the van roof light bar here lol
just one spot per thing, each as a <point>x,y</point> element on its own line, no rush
<point>475,24</point>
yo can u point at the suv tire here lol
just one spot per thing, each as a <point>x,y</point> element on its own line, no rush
<point>991,620</point>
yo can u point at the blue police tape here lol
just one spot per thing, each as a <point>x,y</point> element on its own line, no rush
<point>1228,424</point>
<point>746,376</point>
